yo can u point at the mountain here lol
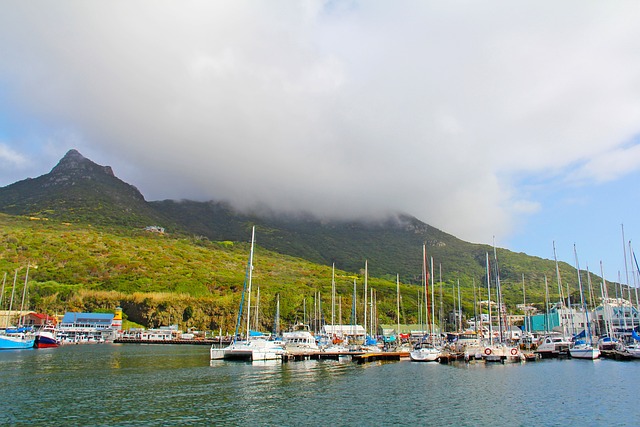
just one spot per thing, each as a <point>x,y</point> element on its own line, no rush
<point>78,190</point>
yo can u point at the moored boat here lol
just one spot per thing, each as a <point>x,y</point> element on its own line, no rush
<point>584,350</point>
<point>46,338</point>
<point>16,340</point>
<point>425,353</point>
<point>299,339</point>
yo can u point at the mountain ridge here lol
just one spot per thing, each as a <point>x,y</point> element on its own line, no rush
<point>79,190</point>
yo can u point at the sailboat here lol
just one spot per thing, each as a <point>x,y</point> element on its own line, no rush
<point>583,349</point>
<point>426,351</point>
<point>256,347</point>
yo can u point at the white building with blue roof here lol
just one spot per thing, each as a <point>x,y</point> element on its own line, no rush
<point>87,327</point>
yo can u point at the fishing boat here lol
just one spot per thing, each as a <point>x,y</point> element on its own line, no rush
<point>46,337</point>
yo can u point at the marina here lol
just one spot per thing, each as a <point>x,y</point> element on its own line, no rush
<point>178,385</point>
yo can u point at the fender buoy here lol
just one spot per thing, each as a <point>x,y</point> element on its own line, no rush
<point>514,351</point>
<point>487,351</point>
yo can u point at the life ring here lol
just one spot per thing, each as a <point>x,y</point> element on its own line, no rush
<point>514,351</point>
<point>487,351</point>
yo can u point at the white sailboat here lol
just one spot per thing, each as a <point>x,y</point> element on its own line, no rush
<point>426,351</point>
<point>253,348</point>
<point>584,349</point>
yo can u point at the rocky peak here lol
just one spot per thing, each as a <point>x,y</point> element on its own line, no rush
<point>73,161</point>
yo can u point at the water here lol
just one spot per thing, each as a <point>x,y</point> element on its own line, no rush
<point>145,385</point>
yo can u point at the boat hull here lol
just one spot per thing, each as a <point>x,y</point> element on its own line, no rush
<point>15,343</point>
<point>584,353</point>
<point>46,340</point>
<point>424,355</point>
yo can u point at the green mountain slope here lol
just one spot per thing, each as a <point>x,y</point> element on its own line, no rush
<point>103,248</point>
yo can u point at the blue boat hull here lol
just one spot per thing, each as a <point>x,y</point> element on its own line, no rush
<point>15,343</point>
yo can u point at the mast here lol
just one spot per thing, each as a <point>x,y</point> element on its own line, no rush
<point>2,292</point>
<point>489,300</point>
<point>276,322</point>
<point>397,301</point>
<point>459,309</point>
<point>366,274</point>
<point>546,295</point>
<point>498,293</point>
<point>247,280</point>
<point>13,292</point>
<point>433,304</point>
<point>353,305</point>
<point>425,276</point>
<point>441,314</point>
<point>560,293</point>
<point>333,294</point>
<point>524,305</point>
<point>582,300</point>
<point>253,232</point>
<point>606,304</point>
<point>255,321</point>
<point>475,308</point>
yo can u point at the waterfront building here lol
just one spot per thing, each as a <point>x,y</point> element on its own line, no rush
<point>87,327</point>
<point>616,315</point>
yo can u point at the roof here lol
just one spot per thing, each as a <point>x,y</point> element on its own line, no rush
<point>72,317</point>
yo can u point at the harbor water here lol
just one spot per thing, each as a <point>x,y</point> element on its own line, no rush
<point>153,385</point>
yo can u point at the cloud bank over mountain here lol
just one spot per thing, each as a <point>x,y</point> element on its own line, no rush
<point>460,114</point>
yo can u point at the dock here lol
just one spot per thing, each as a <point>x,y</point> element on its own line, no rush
<point>615,354</point>
<point>355,356</point>
<point>206,341</point>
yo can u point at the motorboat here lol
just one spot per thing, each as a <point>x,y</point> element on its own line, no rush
<point>553,345</point>
<point>299,340</point>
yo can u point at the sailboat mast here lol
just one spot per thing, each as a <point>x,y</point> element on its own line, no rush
<point>582,300</point>
<point>489,300</point>
<point>366,275</point>
<point>560,293</point>
<point>425,275</point>
<point>397,301</point>
<point>4,280</point>
<point>546,294</point>
<point>501,326</point>
<point>250,274</point>
<point>433,302</point>
<point>13,292</point>
<point>333,294</point>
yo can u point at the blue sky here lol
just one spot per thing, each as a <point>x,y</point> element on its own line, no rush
<point>514,120</point>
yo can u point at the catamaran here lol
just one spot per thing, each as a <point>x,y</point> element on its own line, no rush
<point>256,346</point>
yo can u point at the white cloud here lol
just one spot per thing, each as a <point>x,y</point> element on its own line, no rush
<point>339,108</point>
<point>10,158</point>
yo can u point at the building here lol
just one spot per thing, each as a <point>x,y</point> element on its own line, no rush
<point>87,327</point>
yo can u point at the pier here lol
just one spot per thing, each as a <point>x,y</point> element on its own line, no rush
<point>356,356</point>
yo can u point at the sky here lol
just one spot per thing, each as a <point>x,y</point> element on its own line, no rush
<point>514,123</point>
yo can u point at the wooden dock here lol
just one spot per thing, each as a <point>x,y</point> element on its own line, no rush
<point>355,356</point>
<point>208,341</point>
<point>615,354</point>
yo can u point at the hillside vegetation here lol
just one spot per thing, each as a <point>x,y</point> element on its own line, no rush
<point>161,279</point>
<point>84,229</point>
